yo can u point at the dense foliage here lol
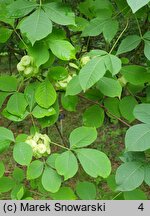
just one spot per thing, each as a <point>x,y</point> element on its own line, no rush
<point>97,50</point>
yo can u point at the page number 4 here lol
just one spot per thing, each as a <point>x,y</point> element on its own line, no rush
<point>141,207</point>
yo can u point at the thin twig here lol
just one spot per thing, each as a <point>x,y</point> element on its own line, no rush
<point>138,25</point>
<point>106,110</point>
<point>60,134</point>
<point>60,146</point>
<point>119,37</point>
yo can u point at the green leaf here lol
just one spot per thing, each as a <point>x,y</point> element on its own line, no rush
<point>51,160</point>
<point>129,176</point>
<point>93,116</point>
<point>39,112</point>
<point>21,138</point>
<point>81,23</point>
<point>126,107</point>
<point>109,87</point>
<point>12,117</point>
<point>64,193</point>
<point>95,27</point>
<point>146,36</point>
<point>112,105</point>
<point>92,8</point>
<point>111,182</point>
<point>147,174</point>
<point>82,136</point>
<point>139,4</point>
<point>20,193</point>
<point>6,184</point>
<point>18,102</point>
<point>62,49</point>
<point>66,164</point>
<point>57,73</point>
<point>92,72</point>
<point>73,87</point>
<point>4,145</point>
<point>59,13</point>
<point>17,192</point>
<point>8,83</point>
<point>135,74</point>
<point>128,44</point>
<point>136,194</point>
<point>2,169</point>
<point>36,26</point>
<point>112,63</point>
<point>110,29</point>
<point>35,169</point>
<point>5,34</point>
<point>45,94</point>
<point>69,102</point>
<point>22,154</point>
<point>95,163</point>
<point>44,53</point>
<point>3,96</point>
<point>4,14</point>
<point>137,138</point>
<point>6,134</point>
<point>6,137</point>
<point>146,49</point>
<point>51,181</point>
<point>50,120</point>
<point>86,190</point>
<point>93,94</point>
<point>29,94</point>
<point>133,156</point>
<point>20,8</point>
<point>18,174</point>
<point>142,112</point>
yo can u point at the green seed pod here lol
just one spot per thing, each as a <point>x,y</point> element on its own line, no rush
<point>26,60</point>
<point>41,148</point>
<point>84,60</point>
<point>28,71</point>
<point>122,81</point>
<point>20,67</point>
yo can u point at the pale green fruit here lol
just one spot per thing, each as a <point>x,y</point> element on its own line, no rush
<point>41,148</point>
<point>40,144</point>
<point>46,139</point>
<point>36,70</point>
<point>20,67</point>
<point>73,65</point>
<point>26,60</point>
<point>36,137</point>
<point>48,150</point>
<point>31,142</point>
<point>62,84</point>
<point>28,71</point>
<point>122,81</point>
<point>84,60</point>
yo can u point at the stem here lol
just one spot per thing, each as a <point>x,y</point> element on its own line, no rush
<point>88,43</point>
<point>60,146</point>
<point>33,122</point>
<point>36,193</point>
<point>105,109</point>
<point>40,3</point>
<point>60,134</point>
<point>116,195</point>
<point>119,37</point>
<point>22,81</point>
<point>140,32</point>
<point>20,38</point>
